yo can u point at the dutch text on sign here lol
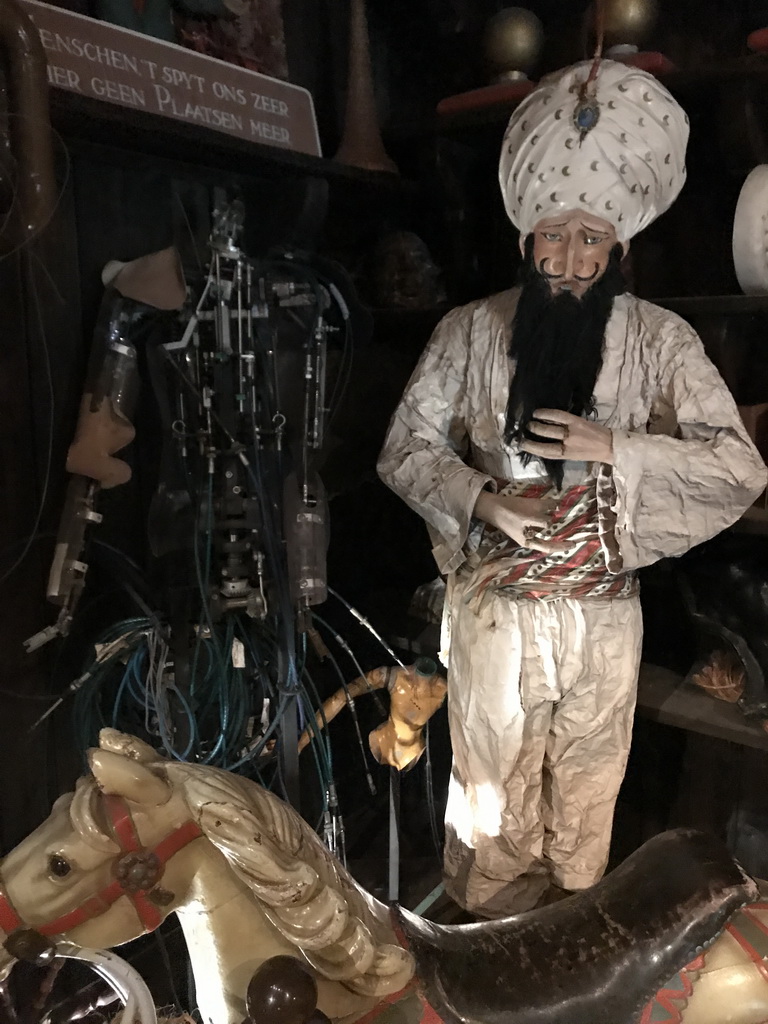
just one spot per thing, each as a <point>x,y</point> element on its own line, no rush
<point>123,67</point>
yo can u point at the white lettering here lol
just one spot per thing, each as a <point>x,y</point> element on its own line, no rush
<point>118,92</point>
<point>173,76</point>
<point>104,55</point>
<point>227,92</point>
<point>70,45</point>
<point>167,104</point>
<point>163,97</point>
<point>65,78</point>
<point>270,131</point>
<point>269,105</point>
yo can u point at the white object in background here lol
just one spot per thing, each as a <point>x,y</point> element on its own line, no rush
<point>139,1006</point>
<point>750,233</point>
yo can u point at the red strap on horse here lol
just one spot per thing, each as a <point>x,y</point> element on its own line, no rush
<point>123,829</point>
<point>128,841</point>
<point>9,919</point>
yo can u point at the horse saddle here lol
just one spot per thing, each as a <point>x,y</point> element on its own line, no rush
<point>597,957</point>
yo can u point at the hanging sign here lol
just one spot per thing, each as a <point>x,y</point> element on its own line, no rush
<point>117,65</point>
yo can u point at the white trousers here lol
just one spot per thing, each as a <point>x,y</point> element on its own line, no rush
<point>541,698</point>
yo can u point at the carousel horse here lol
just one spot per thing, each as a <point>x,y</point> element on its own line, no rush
<point>675,934</point>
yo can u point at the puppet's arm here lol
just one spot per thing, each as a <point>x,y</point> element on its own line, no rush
<point>422,456</point>
<point>667,492</point>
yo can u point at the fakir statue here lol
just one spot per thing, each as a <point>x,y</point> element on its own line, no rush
<point>556,438</point>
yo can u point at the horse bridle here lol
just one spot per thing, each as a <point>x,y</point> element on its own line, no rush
<point>137,872</point>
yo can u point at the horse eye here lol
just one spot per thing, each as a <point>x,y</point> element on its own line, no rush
<point>58,867</point>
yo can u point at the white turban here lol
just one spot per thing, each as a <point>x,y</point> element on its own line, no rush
<point>628,168</point>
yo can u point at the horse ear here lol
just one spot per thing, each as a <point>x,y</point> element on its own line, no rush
<point>61,802</point>
<point>118,775</point>
<point>128,746</point>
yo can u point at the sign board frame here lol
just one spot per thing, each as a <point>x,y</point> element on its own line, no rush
<point>122,67</point>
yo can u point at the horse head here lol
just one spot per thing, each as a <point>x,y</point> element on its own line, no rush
<point>141,838</point>
<point>98,869</point>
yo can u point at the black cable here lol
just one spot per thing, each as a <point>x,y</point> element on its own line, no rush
<point>270,501</point>
<point>51,418</point>
<point>192,238</point>
<point>160,939</point>
<point>352,711</point>
<point>345,374</point>
<point>26,243</point>
<point>348,650</point>
<point>126,558</point>
<point>429,785</point>
<point>364,622</point>
<point>30,539</point>
<point>29,696</point>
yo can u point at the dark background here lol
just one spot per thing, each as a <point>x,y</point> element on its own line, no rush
<point>131,184</point>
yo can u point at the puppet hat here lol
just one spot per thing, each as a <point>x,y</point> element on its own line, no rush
<point>613,146</point>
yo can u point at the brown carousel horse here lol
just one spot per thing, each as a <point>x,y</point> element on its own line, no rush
<point>677,933</point>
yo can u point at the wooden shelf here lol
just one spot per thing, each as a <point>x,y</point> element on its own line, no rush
<point>387,318</point>
<point>665,697</point>
<point>683,304</point>
<point>83,120</point>
<point>392,316</point>
<point>686,305</point>
<point>689,305</point>
<point>696,81</point>
<point>687,85</point>
<point>493,116</point>
<point>662,695</point>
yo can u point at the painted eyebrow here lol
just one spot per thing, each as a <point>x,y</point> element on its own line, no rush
<point>592,231</point>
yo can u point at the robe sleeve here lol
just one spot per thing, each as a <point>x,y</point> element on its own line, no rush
<point>422,458</point>
<point>691,476</point>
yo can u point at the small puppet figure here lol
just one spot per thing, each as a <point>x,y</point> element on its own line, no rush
<point>416,693</point>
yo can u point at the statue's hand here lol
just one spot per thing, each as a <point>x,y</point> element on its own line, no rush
<point>577,438</point>
<point>521,519</point>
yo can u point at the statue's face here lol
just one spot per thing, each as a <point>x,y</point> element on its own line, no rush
<point>572,250</point>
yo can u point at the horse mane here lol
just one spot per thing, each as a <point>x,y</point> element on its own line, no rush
<point>304,891</point>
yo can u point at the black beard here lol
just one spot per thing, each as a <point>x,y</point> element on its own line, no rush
<point>557,342</point>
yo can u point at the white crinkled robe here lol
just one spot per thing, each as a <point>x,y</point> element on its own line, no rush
<point>541,691</point>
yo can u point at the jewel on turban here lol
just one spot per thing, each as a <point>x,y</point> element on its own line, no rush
<point>616,150</point>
